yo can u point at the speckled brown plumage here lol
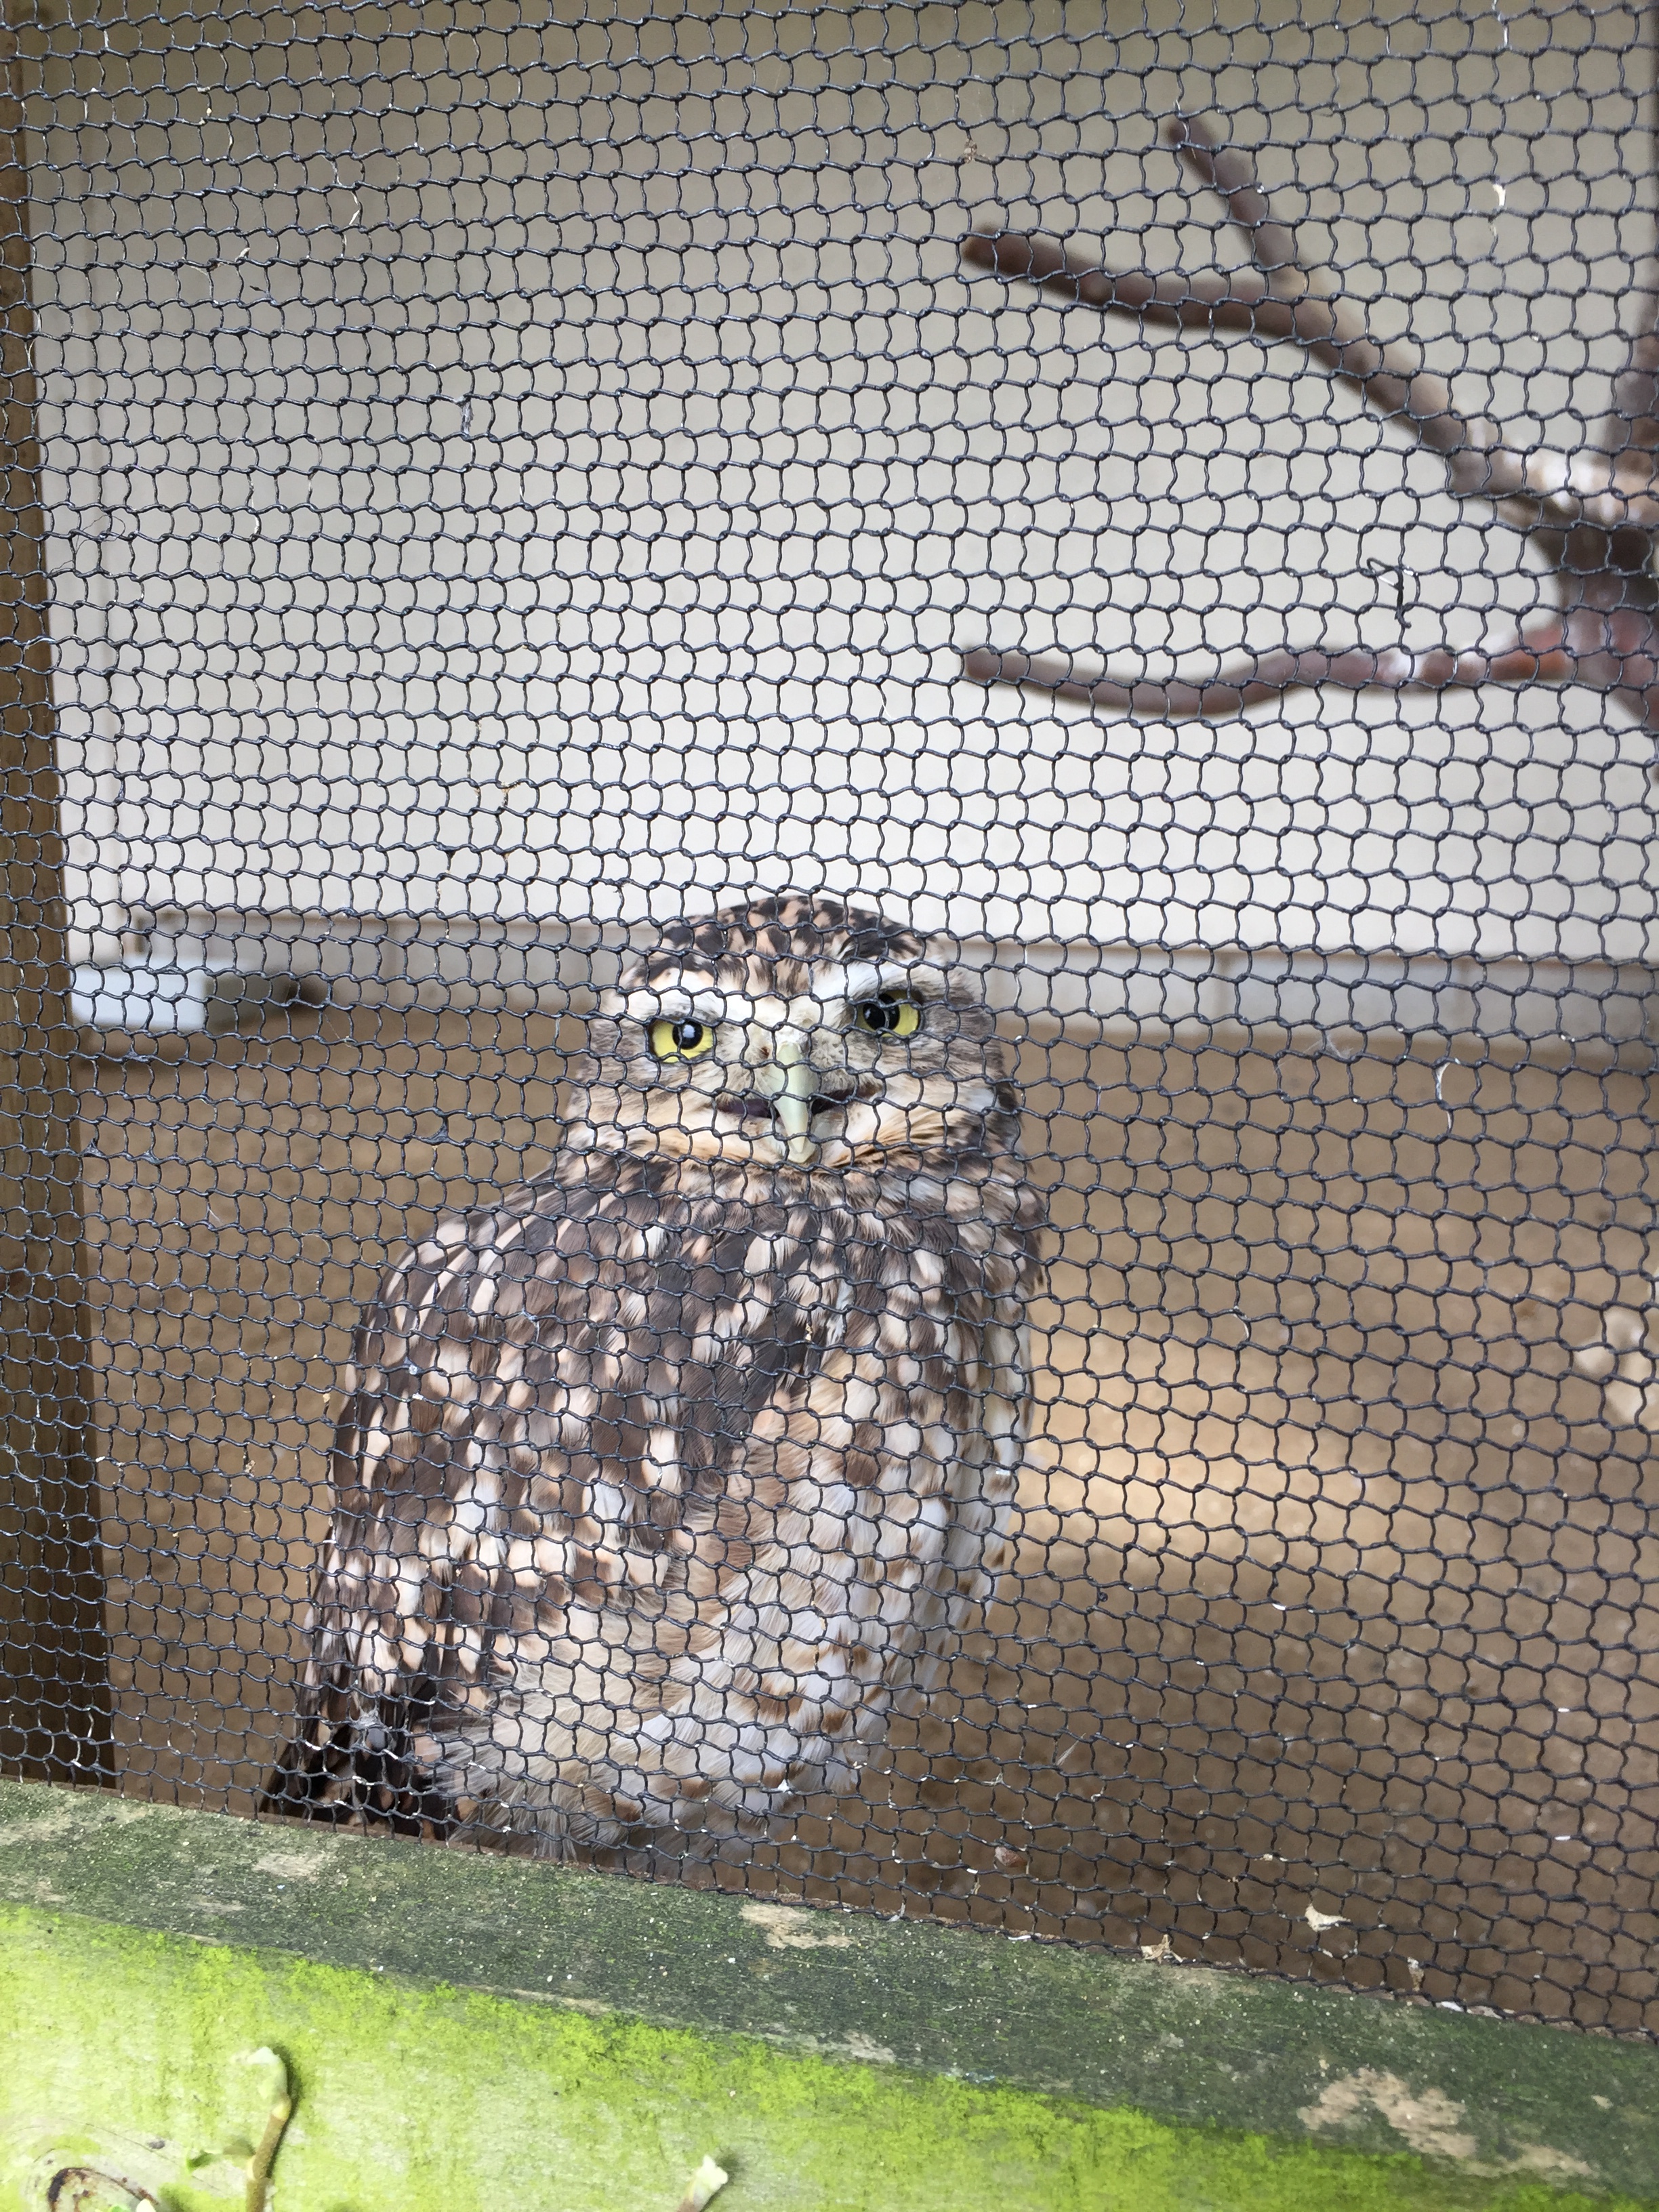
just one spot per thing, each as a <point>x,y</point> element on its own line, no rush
<point>658,1480</point>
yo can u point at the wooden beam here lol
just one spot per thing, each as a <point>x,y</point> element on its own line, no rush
<point>54,1665</point>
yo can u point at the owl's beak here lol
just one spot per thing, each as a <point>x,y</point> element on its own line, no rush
<point>790,1082</point>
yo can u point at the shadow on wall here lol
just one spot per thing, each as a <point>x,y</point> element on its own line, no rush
<point>1326,1649</point>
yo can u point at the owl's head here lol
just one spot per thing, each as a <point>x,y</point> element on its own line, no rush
<point>793,1031</point>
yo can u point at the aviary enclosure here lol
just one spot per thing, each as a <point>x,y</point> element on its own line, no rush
<point>1157,502</point>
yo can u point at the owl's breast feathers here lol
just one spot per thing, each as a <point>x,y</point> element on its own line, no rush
<point>654,1457</point>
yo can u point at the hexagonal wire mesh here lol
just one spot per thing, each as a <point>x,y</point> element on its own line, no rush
<point>497,477</point>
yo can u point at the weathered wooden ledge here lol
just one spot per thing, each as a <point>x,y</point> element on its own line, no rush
<point>467,2031</point>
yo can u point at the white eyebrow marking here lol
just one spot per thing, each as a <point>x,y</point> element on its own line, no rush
<point>868,979</point>
<point>835,987</point>
<point>673,1004</point>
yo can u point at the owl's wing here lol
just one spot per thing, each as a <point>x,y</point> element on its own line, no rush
<point>540,1399</point>
<point>493,1408</point>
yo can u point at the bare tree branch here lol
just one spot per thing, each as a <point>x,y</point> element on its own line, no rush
<point>1594,518</point>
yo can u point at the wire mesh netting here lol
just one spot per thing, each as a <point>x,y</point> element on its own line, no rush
<point>832,963</point>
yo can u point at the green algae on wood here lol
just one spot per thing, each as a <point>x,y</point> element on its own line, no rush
<point>441,2099</point>
<point>467,2032</point>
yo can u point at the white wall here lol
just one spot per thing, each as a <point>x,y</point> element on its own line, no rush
<point>539,460</point>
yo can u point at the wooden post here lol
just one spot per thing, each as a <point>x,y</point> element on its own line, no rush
<point>54,1665</point>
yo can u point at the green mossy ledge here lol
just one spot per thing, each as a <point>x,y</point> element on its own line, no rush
<point>466,2032</point>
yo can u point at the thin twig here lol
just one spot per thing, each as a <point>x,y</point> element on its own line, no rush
<point>276,2120</point>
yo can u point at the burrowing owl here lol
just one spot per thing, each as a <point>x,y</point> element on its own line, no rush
<point>660,1479</point>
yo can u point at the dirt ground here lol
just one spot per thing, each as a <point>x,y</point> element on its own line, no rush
<point>1333,1642</point>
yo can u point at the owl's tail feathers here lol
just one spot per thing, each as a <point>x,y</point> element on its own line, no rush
<point>349,1764</point>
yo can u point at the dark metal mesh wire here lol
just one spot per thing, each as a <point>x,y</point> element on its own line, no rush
<point>509,475</point>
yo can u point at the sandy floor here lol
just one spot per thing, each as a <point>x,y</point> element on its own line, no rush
<point>1333,1641</point>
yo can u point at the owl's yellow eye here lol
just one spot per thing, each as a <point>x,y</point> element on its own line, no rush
<point>890,1017</point>
<point>681,1040</point>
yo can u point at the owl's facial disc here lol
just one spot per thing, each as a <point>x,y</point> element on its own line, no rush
<point>777,1038</point>
<point>820,1064</point>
